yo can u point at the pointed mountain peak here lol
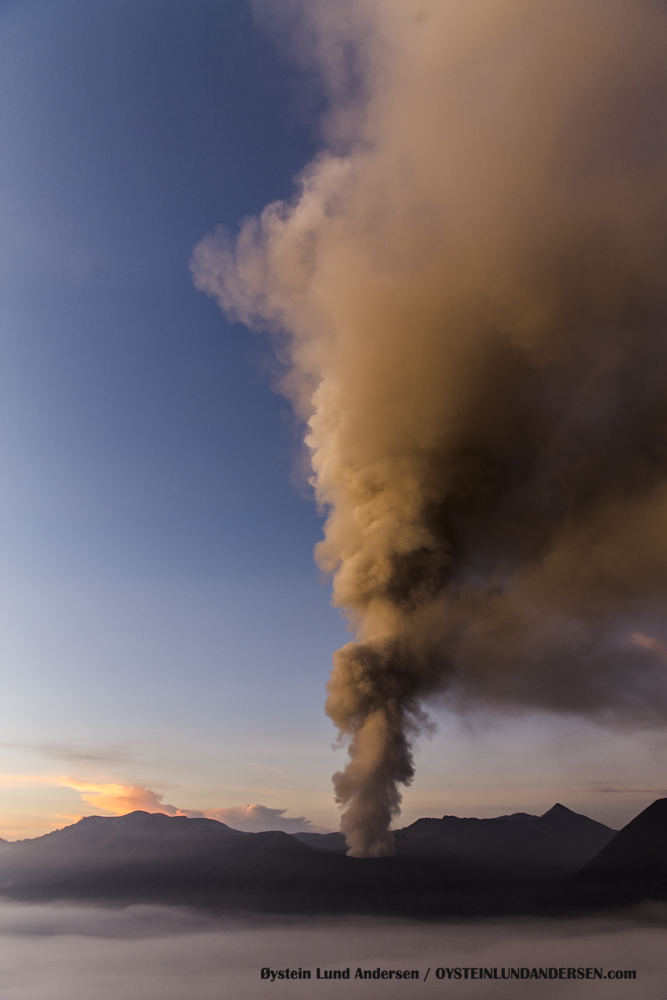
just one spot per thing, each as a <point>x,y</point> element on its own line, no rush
<point>559,810</point>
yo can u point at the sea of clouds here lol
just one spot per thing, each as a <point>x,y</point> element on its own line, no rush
<point>63,952</point>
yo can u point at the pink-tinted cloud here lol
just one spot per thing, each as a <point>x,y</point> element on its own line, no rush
<point>121,799</point>
<point>650,643</point>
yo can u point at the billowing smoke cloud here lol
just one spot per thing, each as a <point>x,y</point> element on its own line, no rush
<point>470,297</point>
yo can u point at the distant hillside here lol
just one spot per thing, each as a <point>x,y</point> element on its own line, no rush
<point>146,857</point>
<point>444,867</point>
<point>556,843</point>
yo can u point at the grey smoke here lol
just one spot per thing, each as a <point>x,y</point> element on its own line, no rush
<point>469,293</point>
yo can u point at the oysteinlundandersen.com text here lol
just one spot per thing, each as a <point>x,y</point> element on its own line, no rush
<point>457,972</point>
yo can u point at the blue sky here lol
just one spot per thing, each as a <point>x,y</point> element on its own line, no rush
<point>156,557</point>
<point>162,623</point>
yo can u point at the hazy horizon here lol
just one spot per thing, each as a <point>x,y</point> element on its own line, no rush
<point>51,952</point>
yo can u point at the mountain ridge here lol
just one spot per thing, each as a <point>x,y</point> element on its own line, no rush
<point>555,843</point>
<point>515,864</point>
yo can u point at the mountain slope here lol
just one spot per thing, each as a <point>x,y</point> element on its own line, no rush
<point>499,866</point>
<point>632,867</point>
<point>155,858</point>
<point>558,842</point>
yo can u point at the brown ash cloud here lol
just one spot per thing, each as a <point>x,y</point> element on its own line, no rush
<point>469,294</point>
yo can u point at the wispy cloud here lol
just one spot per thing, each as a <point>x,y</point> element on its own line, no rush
<point>255,818</point>
<point>121,799</point>
<point>129,751</point>
<point>612,790</point>
<point>265,768</point>
<point>88,753</point>
<point>30,780</point>
<point>118,799</point>
<point>651,644</point>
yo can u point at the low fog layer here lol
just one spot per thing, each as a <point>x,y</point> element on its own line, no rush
<point>152,953</point>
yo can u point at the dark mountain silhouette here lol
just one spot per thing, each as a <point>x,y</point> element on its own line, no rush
<point>107,843</point>
<point>448,866</point>
<point>632,867</point>
<point>155,858</point>
<point>558,842</point>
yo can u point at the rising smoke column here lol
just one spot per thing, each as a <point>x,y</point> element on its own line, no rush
<point>469,293</point>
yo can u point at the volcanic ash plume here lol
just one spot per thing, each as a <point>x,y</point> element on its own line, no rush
<point>470,294</point>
